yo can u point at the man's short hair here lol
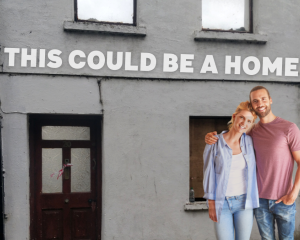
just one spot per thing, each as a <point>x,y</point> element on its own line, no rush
<point>258,88</point>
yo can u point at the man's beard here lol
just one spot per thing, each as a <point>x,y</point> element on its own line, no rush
<point>263,114</point>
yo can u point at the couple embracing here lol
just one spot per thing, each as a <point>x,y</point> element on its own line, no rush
<point>248,171</point>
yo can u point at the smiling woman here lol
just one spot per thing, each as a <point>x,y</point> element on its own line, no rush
<point>229,181</point>
<point>113,11</point>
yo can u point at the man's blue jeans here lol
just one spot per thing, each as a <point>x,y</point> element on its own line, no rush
<point>235,220</point>
<point>284,215</point>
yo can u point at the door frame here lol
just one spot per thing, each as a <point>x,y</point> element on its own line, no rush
<point>36,118</point>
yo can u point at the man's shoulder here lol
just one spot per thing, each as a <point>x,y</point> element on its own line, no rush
<point>287,124</point>
<point>277,122</point>
<point>283,121</point>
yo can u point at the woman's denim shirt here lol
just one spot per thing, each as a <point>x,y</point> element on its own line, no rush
<point>217,164</point>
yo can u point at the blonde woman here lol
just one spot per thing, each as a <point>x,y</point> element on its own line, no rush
<point>230,184</point>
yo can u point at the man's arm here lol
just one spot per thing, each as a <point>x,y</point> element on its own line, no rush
<point>290,198</point>
<point>210,137</point>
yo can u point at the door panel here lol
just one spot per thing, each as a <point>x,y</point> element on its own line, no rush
<point>67,206</point>
<point>52,224</point>
<point>81,223</point>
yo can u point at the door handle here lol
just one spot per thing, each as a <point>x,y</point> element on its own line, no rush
<point>91,200</point>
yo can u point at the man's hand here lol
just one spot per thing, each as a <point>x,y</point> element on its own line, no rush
<point>212,210</point>
<point>288,199</point>
<point>210,138</point>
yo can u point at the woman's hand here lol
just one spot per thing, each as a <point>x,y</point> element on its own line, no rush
<point>212,210</point>
<point>210,138</point>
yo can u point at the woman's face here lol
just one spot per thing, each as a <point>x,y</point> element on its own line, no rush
<point>242,121</point>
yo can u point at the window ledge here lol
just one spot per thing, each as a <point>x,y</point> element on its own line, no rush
<point>195,206</point>
<point>71,26</point>
<point>230,37</point>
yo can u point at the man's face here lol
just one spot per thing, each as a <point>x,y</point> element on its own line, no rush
<point>261,103</point>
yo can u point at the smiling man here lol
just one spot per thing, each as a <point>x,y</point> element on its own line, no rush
<point>277,144</point>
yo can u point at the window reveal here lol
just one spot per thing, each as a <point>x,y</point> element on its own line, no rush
<point>198,129</point>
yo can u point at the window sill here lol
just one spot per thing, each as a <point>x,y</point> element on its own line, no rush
<point>230,37</point>
<point>71,26</point>
<point>195,206</point>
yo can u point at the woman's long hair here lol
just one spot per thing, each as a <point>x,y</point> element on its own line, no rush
<point>242,106</point>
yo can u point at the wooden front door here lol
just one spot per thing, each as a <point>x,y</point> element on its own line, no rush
<point>66,207</point>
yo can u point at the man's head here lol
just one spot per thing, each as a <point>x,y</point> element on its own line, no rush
<point>261,101</point>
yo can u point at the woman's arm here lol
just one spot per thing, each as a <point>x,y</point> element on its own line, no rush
<point>209,174</point>
<point>209,180</point>
<point>212,210</point>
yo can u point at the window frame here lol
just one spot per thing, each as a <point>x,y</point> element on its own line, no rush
<point>76,19</point>
<point>225,118</point>
<point>232,31</point>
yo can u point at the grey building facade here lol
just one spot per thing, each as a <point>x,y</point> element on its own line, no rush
<point>142,157</point>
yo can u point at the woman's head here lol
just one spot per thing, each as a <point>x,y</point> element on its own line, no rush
<point>243,117</point>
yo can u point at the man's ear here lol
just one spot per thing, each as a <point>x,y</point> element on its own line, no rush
<point>271,101</point>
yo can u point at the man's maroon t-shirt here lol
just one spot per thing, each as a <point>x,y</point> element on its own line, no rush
<point>274,143</point>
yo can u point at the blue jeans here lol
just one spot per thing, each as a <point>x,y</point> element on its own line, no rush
<point>284,215</point>
<point>234,220</point>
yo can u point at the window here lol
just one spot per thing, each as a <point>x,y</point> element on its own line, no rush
<point>231,15</point>
<point>106,11</point>
<point>198,129</point>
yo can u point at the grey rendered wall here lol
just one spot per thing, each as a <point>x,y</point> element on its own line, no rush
<point>170,29</point>
<point>21,95</point>
<point>154,150</point>
<point>145,147</point>
<point>145,141</point>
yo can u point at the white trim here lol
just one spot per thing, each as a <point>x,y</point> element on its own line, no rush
<point>195,206</point>
<point>230,37</point>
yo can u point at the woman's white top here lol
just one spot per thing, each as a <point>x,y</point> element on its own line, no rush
<point>237,178</point>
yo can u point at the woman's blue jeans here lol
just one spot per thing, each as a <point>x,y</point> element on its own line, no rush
<point>235,220</point>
